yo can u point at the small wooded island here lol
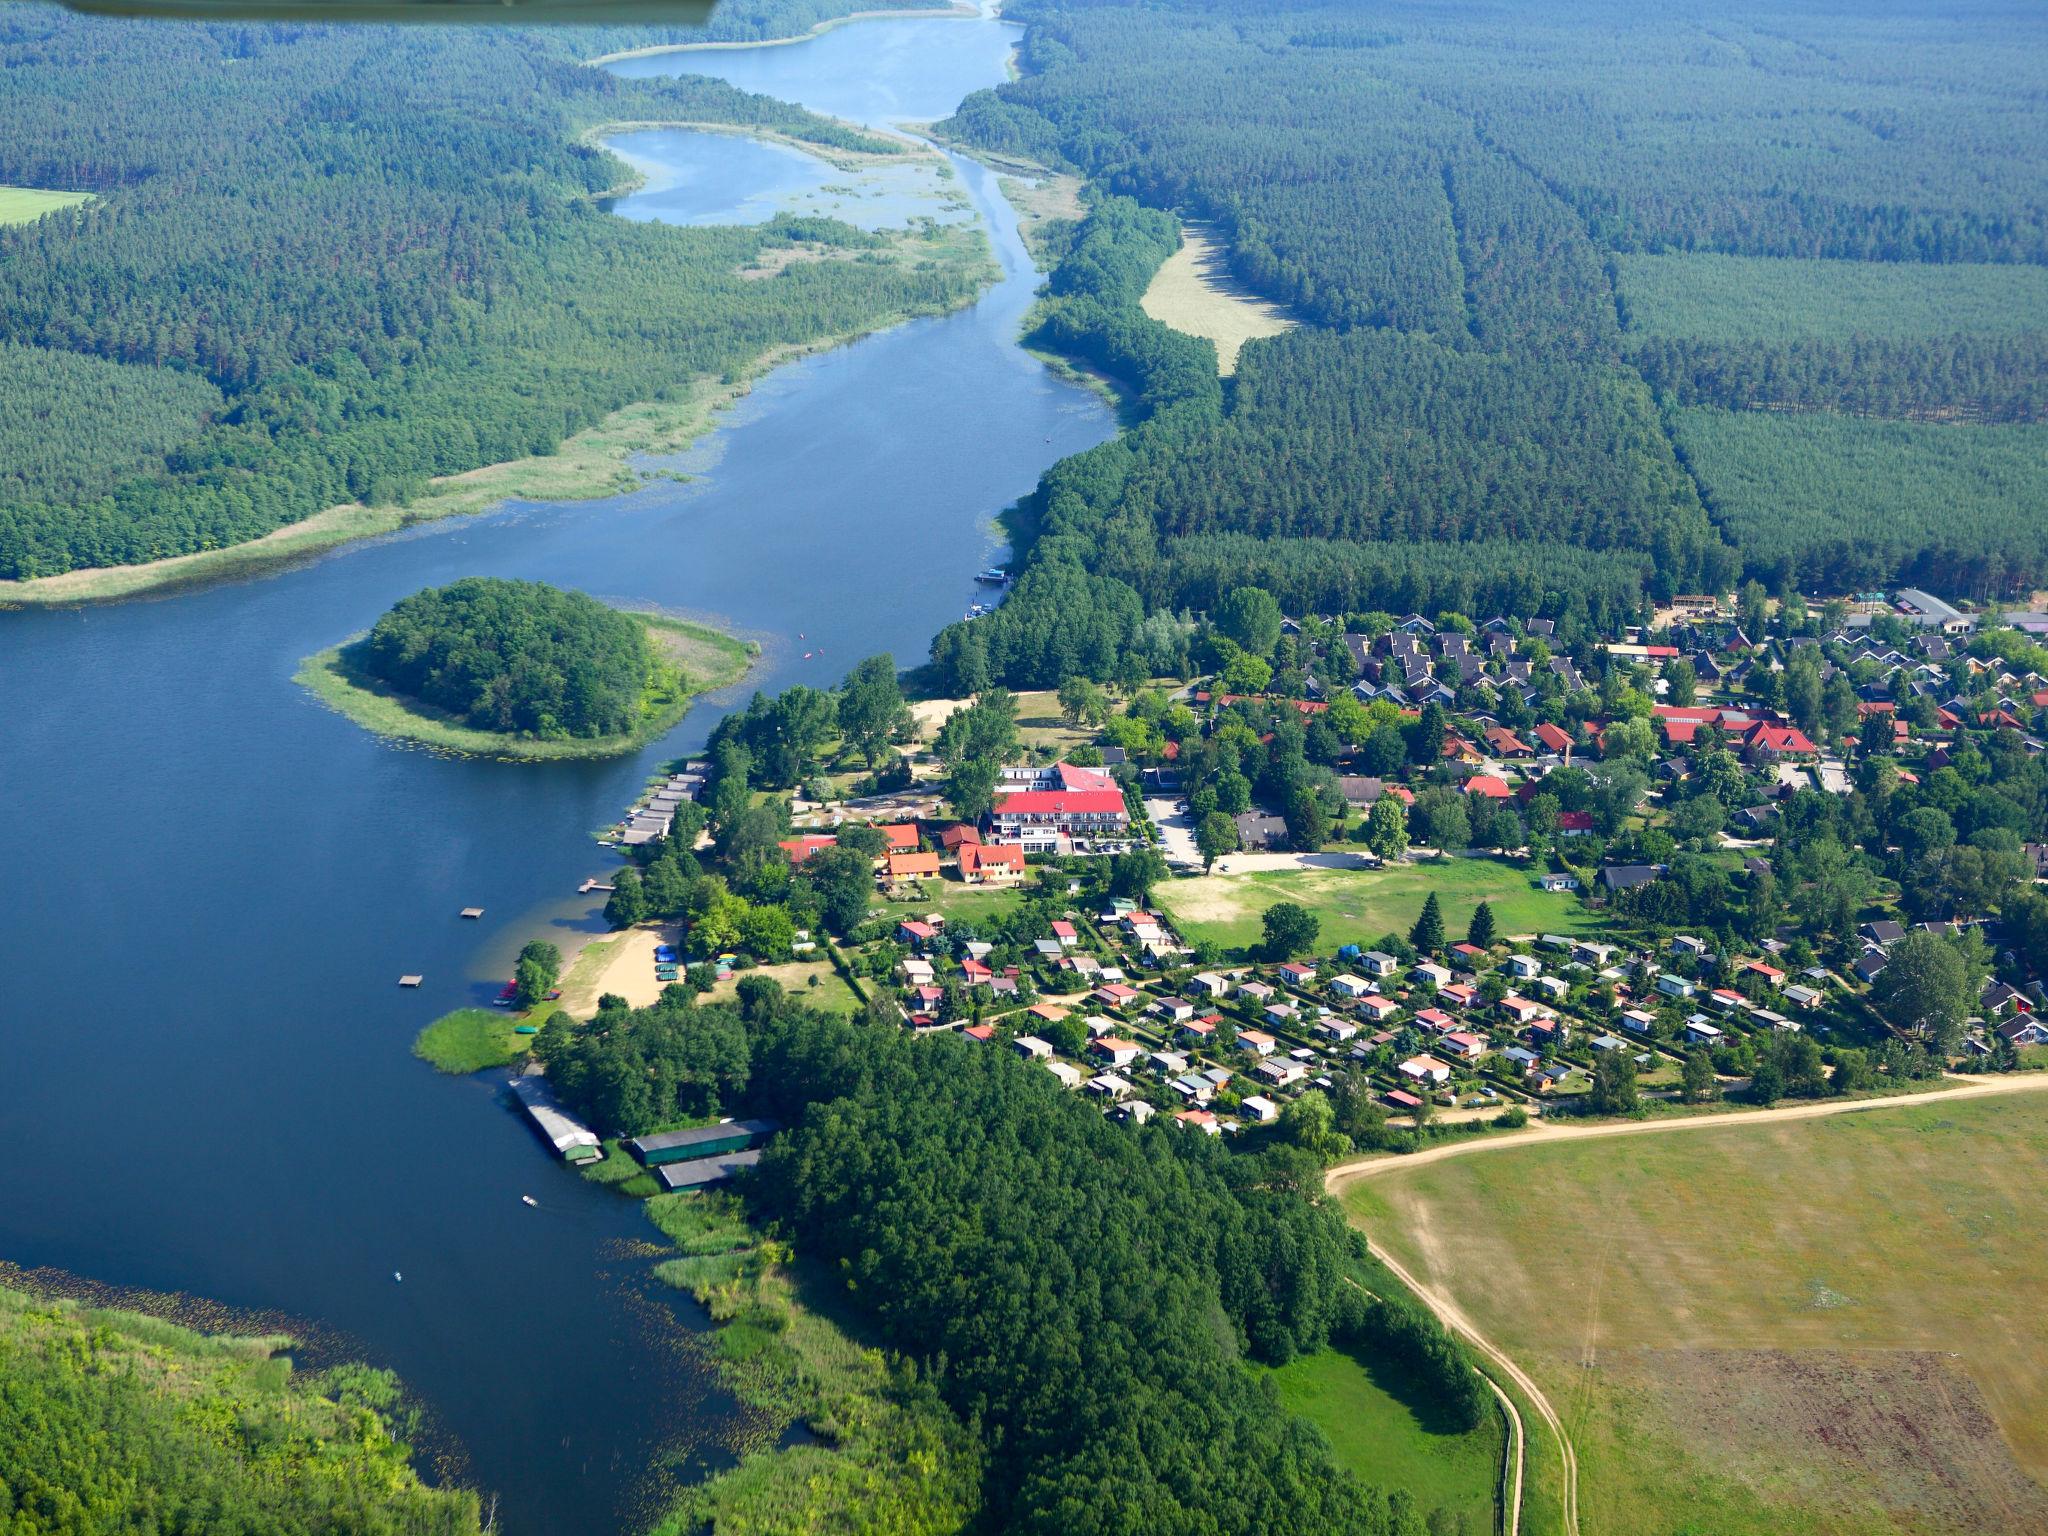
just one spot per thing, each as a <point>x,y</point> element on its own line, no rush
<point>522,669</point>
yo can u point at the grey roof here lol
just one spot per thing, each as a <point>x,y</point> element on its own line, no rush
<point>1623,877</point>
<point>668,1141</point>
<point>705,1170</point>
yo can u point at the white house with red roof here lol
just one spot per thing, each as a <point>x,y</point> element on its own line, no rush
<point>1063,804</point>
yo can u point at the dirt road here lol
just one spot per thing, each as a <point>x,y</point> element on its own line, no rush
<point>1453,1317</point>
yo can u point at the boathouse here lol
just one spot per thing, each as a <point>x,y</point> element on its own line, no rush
<point>570,1138</point>
<point>701,1141</point>
<point>706,1170</point>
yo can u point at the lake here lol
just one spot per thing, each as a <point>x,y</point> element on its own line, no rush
<point>212,883</point>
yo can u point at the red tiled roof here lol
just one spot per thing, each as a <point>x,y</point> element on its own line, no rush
<point>1486,784</point>
<point>1061,802</point>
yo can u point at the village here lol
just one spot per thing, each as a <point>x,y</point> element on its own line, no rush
<point>1444,872</point>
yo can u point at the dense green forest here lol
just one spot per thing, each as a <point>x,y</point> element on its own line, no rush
<point>1084,1294</point>
<point>327,264</point>
<point>1522,240</point>
<point>112,1422</point>
<point>514,656</point>
<point>1836,503</point>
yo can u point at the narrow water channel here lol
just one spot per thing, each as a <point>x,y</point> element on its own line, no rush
<point>209,884</point>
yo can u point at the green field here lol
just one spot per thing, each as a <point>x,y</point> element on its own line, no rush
<point>1852,499</point>
<point>956,901</point>
<point>1761,298</point>
<point>1370,1414</point>
<point>470,1039</point>
<point>1819,1326</point>
<point>1358,905</point>
<point>24,205</point>
<point>707,661</point>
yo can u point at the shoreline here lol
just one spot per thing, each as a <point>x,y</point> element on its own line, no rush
<point>586,466</point>
<point>383,712</point>
<point>816,29</point>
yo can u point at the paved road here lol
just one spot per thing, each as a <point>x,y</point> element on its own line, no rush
<point>1454,1317</point>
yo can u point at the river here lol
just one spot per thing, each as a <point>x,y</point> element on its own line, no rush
<point>212,884</point>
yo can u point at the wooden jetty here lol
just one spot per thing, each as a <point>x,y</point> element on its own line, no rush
<point>594,884</point>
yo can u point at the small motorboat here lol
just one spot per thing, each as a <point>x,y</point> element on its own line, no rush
<point>994,576</point>
<point>395,1275</point>
<point>528,1200</point>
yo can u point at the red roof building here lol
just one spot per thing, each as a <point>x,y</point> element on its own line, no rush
<point>983,864</point>
<point>1553,738</point>
<point>801,848</point>
<point>1489,786</point>
<point>902,837</point>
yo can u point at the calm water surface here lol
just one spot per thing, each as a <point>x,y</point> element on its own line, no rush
<point>211,884</point>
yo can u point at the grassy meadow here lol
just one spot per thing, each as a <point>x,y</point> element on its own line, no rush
<point>701,661</point>
<point>1717,297</point>
<point>471,1039</point>
<point>1195,293</point>
<point>1356,906</point>
<point>24,205</point>
<point>1377,1423</point>
<point>1823,1326</point>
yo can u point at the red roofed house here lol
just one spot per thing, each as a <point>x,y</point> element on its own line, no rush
<point>1764,742</point>
<point>801,848</point>
<point>1116,995</point>
<point>951,839</point>
<point>1066,933</point>
<point>1378,1009</point>
<point>1505,743</point>
<point>902,837</point>
<point>1037,819</point>
<point>1491,787</point>
<point>984,864</point>
<point>916,934</point>
<point>981,1032</point>
<point>1554,738</point>
<point>1574,823</point>
<point>1435,1019</point>
<point>912,866</point>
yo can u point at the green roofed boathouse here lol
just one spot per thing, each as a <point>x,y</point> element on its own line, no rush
<point>701,1141</point>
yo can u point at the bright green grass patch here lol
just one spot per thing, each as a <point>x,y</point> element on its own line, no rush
<point>1377,1421</point>
<point>471,1039</point>
<point>1715,297</point>
<point>1841,501</point>
<point>702,661</point>
<point>24,205</point>
<point>1357,906</point>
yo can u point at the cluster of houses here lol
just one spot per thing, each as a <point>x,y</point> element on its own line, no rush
<point>654,813</point>
<point>1222,1048</point>
<point>909,857</point>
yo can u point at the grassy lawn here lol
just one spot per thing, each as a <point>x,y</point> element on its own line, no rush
<point>1041,725</point>
<point>1370,1414</point>
<point>703,660</point>
<point>813,981</point>
<point>957,901</point>
<point>1828,1326</point>
<point>1358,905</point>
<point>24,205</point>
<point>470,1039</point>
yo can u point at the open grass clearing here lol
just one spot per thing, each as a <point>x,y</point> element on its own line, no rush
<point>1196,293</point>
<point>813,982</point>
<point>1378,1424</point>
<point>24,205</point>
<point>1820,1325</point>
<point>1717,297</point>
<point>1357,906</point>
<point>471,1039</point>
<point>955,901</point>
